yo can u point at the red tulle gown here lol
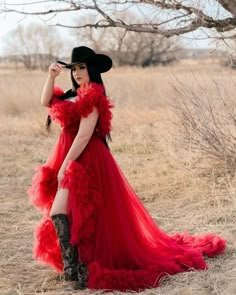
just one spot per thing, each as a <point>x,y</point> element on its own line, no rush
<point>117,239</point>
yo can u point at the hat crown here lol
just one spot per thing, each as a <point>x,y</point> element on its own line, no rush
<point>80,54</point>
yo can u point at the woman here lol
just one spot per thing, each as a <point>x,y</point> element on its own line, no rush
<point>94,226</point>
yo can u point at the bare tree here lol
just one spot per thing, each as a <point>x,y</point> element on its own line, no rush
<point>178,16</point>
<point>34,45</point>
<point>132,48</point>
<point>145,50</point>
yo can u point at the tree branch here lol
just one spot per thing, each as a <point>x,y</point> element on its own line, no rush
<point>191,17</point>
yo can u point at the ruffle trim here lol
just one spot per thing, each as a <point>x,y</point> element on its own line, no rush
<point>149,276</point>
<point>57,91</point>
<point>65,113</point>
<point>83,208</point>
<point>68,113</point>
<point>208,244</point>
<point>95,97</point>
<point>132,280</point>
<point>122,279</point>
<point>46,245</point>
<point>43,187</point>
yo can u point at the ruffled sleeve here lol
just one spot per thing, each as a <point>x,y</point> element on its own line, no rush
<point>95,97</point>
<point>57,92</point>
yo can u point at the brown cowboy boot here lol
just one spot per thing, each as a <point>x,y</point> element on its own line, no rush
<point>73,270</point>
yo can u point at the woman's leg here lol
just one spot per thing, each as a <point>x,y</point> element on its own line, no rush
<point>59,205</point>
<point>62,227</point>
<point>73,270</point>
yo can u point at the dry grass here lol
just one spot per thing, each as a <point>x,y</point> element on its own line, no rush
<point>182,189</point>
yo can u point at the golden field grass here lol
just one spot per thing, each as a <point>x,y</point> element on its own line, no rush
<point>183,189</point>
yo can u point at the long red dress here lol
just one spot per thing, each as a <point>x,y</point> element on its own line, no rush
<point>117,238</point>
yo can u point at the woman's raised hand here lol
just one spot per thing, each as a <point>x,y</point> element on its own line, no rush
<point>55,69</point>
<point>47,94</point>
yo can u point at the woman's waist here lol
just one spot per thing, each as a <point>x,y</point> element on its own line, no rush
<point>74,130</point>
<point>69,129</point>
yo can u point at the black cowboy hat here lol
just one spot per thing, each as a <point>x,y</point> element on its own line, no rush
<point>84,54</point>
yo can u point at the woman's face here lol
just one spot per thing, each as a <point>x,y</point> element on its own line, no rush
<point>80,73</point>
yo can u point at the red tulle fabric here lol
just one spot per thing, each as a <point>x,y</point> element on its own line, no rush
<point>117,238</point>
<point>94,97</point>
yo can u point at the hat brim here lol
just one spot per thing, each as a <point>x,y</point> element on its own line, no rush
<point>101,61</point>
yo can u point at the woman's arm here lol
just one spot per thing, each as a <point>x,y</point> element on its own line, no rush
<point>54,71</point>
<point>86,129</point>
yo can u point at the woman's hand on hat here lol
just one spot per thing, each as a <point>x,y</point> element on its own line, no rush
<point>55,69</point>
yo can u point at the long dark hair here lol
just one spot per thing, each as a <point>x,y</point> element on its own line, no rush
<point>94,76</point>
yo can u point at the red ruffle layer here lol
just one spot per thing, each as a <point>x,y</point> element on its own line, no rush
<point>94,97</point>
<point>68,113</point>
<point>43,188</point>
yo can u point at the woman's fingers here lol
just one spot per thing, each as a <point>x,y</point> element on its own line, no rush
<point>55,68</point>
